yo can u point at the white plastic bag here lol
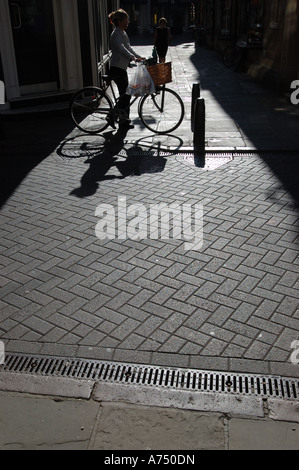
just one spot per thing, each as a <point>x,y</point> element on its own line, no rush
<point>141,83</point>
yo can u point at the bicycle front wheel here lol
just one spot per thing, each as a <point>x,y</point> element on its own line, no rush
<point>89,110</point>
<point>162,112</point>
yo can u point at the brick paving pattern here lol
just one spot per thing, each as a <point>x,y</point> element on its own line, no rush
<point>233,305</point>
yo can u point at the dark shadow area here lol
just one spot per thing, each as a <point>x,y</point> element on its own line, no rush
<point>286,167</point>
<point>25,142</point>
<point>136,163</point>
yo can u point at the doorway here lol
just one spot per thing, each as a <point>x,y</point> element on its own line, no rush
<point>35,46</point>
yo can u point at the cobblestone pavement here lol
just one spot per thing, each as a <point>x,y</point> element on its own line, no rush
<point>231,305</point>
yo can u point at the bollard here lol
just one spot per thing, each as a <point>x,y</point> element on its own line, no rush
<point>195,96</point>
<point>200,127</point>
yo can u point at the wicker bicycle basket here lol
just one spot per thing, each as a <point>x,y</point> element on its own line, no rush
<point>161,73</point>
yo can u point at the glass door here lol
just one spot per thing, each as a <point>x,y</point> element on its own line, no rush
<point>33,28</point>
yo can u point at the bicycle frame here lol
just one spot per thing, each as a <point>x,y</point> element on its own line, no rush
<point>93,109</point>
<point>135,98</point>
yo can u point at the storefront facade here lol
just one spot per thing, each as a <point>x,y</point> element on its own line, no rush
<point>271,30</point>
<point>52,46</point>
<point>179,13</point>
<point>145,14</point>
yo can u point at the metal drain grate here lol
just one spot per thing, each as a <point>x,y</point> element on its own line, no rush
<point>180,379</point>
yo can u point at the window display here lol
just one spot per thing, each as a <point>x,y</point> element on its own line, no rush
<point>256,22</point>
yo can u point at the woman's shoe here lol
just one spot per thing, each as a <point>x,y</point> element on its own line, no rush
<point>126,124</point>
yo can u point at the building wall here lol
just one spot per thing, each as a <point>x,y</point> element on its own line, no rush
<point>271,29</point>
<point>80,39</point>
<point>278,62</point>
<point>145,14</point>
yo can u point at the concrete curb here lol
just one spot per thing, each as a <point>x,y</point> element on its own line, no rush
<point>68,414</point>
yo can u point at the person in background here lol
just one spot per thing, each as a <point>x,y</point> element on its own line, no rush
<point>122,55</point>
<point>162,40</point>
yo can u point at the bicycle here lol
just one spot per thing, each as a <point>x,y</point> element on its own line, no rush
<point>92,107</point>
<point>233,56</point>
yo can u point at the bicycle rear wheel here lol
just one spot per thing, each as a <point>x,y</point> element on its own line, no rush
<point>162,112</point>
<point>89,109</point>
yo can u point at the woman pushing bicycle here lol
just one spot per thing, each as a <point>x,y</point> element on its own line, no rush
<point>94,108</point>
<point>122,55</point>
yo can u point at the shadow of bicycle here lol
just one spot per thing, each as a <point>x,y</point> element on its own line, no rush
<point>109,157</point>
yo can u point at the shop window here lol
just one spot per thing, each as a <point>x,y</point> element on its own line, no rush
<point>192,14</point>
<point>256,22</point>
<point>226,17</point>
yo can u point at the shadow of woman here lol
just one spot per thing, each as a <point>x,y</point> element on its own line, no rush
<point>100,164</point>
<point>137,162</point>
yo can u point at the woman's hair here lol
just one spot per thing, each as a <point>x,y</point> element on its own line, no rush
<point>163,20</point>
<point>118,16</point>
